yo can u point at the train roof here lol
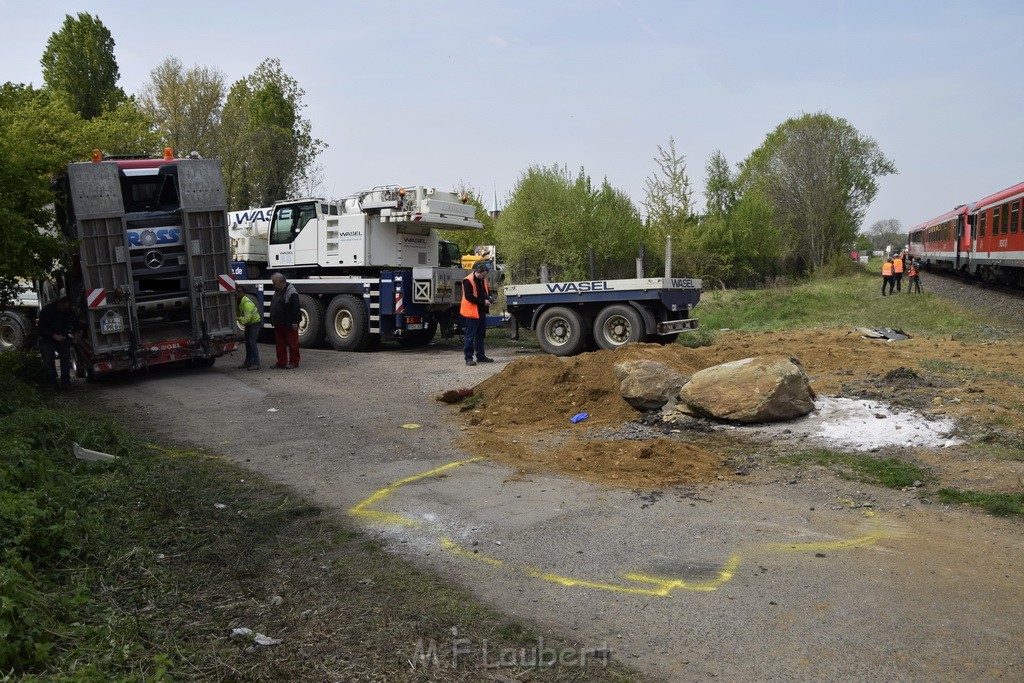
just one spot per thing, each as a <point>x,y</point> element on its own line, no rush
<point>1012,192</point>
<point>958,211</point>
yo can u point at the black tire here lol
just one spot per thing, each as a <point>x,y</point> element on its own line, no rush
<point>560,331</point>
<point>618,324</point>
<point>348,323</point>
<point>666,339</point>
<point>414,338</point>
<point>204,362</point>
<point>311,322</point>
<point>16,331</point>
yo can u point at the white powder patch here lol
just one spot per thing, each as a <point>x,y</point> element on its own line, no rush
<point>862,425</point>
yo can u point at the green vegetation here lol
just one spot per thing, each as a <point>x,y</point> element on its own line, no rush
<point>849,299</point>
<point>1002,504</point>
<point>139,569</point>
<point>892,473</point>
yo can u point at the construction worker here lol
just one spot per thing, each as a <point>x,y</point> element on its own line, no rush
<point>475,301</point>
<point>914,276</point>
<point>897,271</point>
<point>887,275</point>
<point>251,320</point>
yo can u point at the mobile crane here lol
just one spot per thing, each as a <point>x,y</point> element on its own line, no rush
<point>367,268</point>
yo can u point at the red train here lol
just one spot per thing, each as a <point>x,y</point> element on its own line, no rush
<point>984,239</point>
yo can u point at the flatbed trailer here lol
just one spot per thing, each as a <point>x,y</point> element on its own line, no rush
<point>570,317</point>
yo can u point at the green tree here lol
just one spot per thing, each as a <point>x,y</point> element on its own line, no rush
<point>556,219</point>
<point>667,196</point>
<point>79,64</point>
<point>27,247</point>
<point>185,105</point>
<point>267,148</point>
<point>719,186</point>
<point>819,175</point>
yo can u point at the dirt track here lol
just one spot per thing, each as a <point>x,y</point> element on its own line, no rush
<point>775,574</point>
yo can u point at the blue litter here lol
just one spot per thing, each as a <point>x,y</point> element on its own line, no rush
<point>579,417</point>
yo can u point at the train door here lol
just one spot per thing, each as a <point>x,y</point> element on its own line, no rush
<point>960,244</point>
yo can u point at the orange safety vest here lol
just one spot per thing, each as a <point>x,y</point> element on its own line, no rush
<point>912,272</point>
<point>886,269</point>
<point>897,265</point>
<point>468,309</point>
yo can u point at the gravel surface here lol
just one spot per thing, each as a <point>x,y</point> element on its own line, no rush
<point>975,296</point>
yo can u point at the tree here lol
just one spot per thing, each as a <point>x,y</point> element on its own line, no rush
<point>467,240</point>
<point>668,195</point>
<point>887,232</point>
<point>819,174</point>
<point>267,148</point>
<point>719,186</point>
<point>555,219</point>
<point>27,248</point>
<point>79,64</point>
<point>185,105</point>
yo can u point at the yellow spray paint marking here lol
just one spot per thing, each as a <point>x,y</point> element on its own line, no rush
<point>394,518</point>
<point>659,586</point>
<point>450,545</point>
<point>411,425</point>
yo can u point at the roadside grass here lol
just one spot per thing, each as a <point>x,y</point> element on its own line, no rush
<point>824,301</point>
<point>139,569</point>
<point>1001,504</point>
<point>891,473</point>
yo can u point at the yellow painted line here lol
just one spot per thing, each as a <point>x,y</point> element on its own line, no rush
<point>659,586</point>
<point>394,518</point>
<point>453,547</point>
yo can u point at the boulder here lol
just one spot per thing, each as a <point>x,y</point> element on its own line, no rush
<point>760,389</point>
<point>647,384</point>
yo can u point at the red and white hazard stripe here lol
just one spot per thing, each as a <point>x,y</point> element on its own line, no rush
<point>399,301</point>
<point>94,298</point>
<point>225,283</point>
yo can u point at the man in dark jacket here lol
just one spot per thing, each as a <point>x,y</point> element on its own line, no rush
<point>475,302</point>
<point>56,323</point>
<point>285,315</point>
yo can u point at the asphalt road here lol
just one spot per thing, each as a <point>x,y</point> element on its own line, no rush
<point>773,578</point>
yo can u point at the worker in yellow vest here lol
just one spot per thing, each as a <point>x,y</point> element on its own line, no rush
<point>887,275</point>
<point>251,320</point>
<point>475,302</point>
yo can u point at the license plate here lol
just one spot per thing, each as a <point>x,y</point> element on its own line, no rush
<point>415,326</point>
<point>111,323</point>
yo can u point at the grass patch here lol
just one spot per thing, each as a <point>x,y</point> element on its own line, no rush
<point>852,300</point>
<point>891,473</point>
<point>139,569</point>
<point>1001,504</point>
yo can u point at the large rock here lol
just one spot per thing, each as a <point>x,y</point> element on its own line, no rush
<point>647,384</point>
<point>760,389</point>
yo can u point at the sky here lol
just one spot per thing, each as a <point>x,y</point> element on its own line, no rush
<point>442,94</point>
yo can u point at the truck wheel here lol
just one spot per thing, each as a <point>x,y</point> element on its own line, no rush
<point>560,331</point>
<point>311,322</point>
<point>16,331</point>
<point>348,323</point>
<point>413,338</point>
<point>616,325</point>
<point>204,362</point>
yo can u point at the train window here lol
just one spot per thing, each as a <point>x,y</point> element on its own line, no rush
<point>1014,216</point>
<point>1006,219</point>
<point>995,220</point>
<point>981,224</point>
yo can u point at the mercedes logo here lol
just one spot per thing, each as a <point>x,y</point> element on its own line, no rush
<point>153,259</point>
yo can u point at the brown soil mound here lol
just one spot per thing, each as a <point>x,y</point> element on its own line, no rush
<point>521,415</point>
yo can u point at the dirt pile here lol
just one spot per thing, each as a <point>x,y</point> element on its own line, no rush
<point>521,416</point>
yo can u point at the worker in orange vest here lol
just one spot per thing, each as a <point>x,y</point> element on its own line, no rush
<point>475,301</point>
<point>897,272</point>
<point>887,275</point>
<point>914,277</point>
